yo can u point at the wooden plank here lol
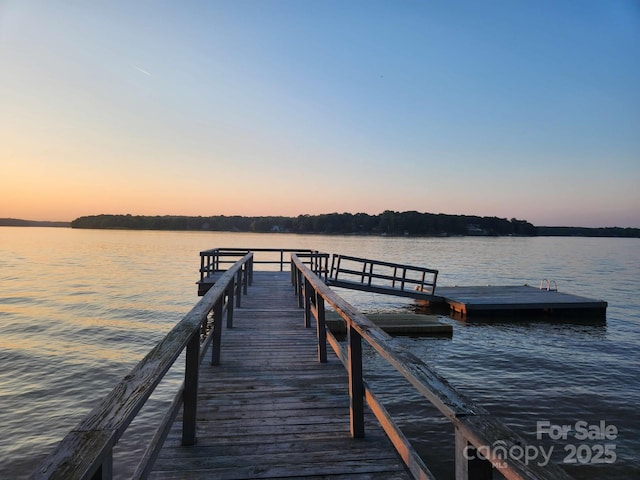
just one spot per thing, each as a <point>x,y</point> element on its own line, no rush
<point>271,409</point>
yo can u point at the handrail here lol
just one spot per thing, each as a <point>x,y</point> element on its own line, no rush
<point>378,275</point>
<point>474,427</point>
<point>87,451</point>
<point>214,260</point>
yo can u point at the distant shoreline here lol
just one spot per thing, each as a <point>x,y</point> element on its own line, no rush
<point>405,224</point>
<point>17,222</point>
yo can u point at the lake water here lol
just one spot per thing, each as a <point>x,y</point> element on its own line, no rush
<point>79,308</point>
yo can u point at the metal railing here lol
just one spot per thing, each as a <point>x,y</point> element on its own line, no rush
<point>87,451</point>
<point>475,429</point>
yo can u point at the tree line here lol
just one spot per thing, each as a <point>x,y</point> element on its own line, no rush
<point>387,223</point>
<point>589,232</point>
<point>17,222</point>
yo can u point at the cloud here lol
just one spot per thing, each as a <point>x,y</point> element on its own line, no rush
<point>142,70</point>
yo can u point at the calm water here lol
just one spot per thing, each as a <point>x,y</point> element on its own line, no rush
<point>79,308</point>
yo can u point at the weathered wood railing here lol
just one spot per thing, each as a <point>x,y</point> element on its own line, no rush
<point>87,451</point>
<point>474,427</point>
<point>215,260</point>
<point>382,277</point>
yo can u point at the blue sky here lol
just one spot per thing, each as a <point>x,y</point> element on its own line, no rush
<point>499,108</point>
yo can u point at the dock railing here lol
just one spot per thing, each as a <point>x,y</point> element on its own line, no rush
<point>382,277</point>
<point>482,442</point>
<point>87,451</point>
<point>216,260</point>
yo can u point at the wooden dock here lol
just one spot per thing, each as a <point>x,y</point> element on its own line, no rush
<point>419,283</point>
<point>510,299</point>
<point>270,409</point>
<point>271,402</point>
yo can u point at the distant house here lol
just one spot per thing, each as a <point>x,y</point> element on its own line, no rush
<point>276,229</point>
<point>473,229</point>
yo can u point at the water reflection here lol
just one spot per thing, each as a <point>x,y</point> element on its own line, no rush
<point>80,308</point>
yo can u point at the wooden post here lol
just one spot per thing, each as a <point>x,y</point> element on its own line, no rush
<point>245,278</point>
<point>307,303</point>
<point>322,329</point>
<point>238,288</point>
<point>217,332</point>
<point>229,295</point>
<point>356,386</point>
<point>291,272</point>
<point>468,465</point>
<point>333,262</point>
<point>105,471</point>
<point>190,393</point>
<point>299,289</point>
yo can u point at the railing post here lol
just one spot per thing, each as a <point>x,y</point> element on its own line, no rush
<point>251,271</point>
<point>245,277</point>
<point>325,266</point>
<point>201,267</point>
<point>356,385</point>
<point>335,266</point>
<point>217,332</point>
<point>238,288</point>
<point>190,393</point>
<point>299,288</point>
<point>468,465</point>
<point>322,330</point>
<point>307,303</point>
<point>105,471</point>
<point>292,272</point>
<point>281,260</point>
<point>229,294</point>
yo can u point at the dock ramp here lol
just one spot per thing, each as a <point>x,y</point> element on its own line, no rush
<point>387,278</point>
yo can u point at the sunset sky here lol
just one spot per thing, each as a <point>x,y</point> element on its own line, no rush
<point>526,109</point>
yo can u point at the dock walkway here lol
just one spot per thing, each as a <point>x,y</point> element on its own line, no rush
<point>262,415</point>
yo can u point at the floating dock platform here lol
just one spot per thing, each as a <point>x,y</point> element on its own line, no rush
<point>397,324</point>
<point>504,300</point>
